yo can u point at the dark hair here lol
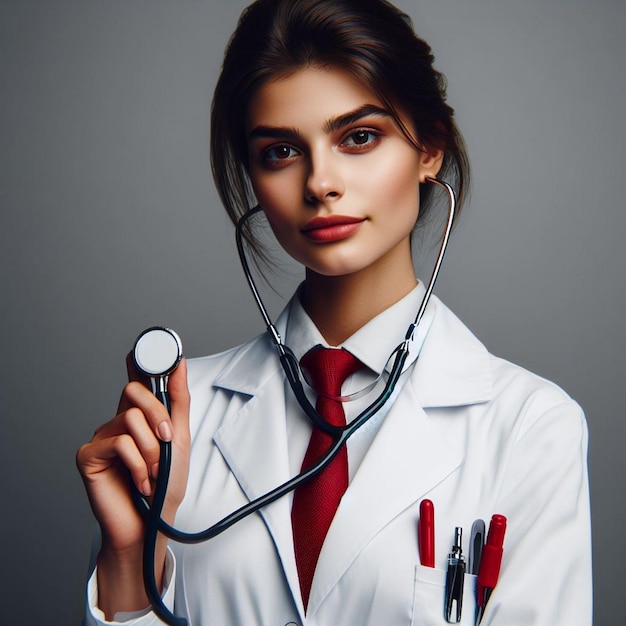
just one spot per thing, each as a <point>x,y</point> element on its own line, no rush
<point>371,40</point>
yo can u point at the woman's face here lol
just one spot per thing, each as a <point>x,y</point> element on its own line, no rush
<point>336,177</point>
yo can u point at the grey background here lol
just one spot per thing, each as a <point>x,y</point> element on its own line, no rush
<point>110,223</point>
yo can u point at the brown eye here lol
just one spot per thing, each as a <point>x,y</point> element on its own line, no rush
<point>361,137</point>
<point>279,153</point>
<point>277,156</point>
<point>283,152</point>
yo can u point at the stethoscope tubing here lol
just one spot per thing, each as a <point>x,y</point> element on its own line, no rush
<point>153,518</point>
<point>288,361</point>
<point>340,434</point>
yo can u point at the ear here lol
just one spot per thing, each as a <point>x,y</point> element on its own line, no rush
<point>431,160</point>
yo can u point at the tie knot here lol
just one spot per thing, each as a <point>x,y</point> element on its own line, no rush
<point>328,368</point>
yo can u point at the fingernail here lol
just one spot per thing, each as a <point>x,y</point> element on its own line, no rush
<point>155,471</point>
<point>165,432</point>
<point>146,488</point>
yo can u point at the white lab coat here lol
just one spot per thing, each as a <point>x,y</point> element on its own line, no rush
<point>473,433</point>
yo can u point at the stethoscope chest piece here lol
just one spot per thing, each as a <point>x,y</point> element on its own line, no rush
<point>158,351</point>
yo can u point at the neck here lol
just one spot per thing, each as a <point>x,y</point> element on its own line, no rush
<point>340,305</point>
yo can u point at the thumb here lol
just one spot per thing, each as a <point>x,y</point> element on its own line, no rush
<point>178,390</point>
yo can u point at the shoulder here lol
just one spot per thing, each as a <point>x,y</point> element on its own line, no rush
<point>509,394</point>
<point>534,403</point>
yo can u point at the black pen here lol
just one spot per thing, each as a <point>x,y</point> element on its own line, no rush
<point>454,580</point>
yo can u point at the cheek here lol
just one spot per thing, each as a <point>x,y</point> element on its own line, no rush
<point>396,191</point>
<point>262,188</point>
<point>278,195</point>
<point>403,178</point>
<point>279,209</point>
<point>394,172</point>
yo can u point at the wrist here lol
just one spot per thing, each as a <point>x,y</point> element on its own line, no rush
<point>120,581</point>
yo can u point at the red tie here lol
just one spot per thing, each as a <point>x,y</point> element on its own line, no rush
<point>315,502</point>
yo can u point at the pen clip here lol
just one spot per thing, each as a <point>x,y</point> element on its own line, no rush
<point>477,541</point>
<point>454,580</point>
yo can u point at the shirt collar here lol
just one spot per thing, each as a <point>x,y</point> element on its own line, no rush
<point>454,368</point>
<point>373,343</point>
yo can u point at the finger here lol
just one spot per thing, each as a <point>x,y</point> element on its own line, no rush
<point>134,373</point>
<point>98,456</point>
<point>130,421</point>
<point>156,415</point>
<point>134,423</point>
<point>145,440</point>
<point>178,390</point>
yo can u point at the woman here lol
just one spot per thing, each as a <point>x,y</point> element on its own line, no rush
<point>330,116</point>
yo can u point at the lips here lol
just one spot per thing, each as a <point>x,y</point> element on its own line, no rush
<point>332,227</point>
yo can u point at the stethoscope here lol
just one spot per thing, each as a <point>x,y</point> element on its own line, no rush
<point>158,351</point>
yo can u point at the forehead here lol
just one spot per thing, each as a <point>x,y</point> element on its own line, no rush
<point>307,97</point>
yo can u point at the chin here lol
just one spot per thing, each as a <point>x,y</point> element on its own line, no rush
<point>336,270</point>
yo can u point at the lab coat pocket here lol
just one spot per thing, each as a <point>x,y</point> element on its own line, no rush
<point>429,598</point>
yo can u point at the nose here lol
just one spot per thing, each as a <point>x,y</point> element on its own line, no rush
<point>324,182</point>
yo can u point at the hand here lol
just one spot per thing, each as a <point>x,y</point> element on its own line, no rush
<point>123,452</point>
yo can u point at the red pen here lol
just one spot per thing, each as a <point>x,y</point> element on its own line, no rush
<point>490,561</point>
<point>426,533</point>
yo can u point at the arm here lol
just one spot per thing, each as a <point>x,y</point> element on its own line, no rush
<point>546,570</point>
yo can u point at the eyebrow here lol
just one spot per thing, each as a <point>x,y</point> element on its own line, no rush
<point>330,126</point>
<point>352,117</point>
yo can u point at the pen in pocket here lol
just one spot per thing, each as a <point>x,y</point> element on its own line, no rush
<point>490,562</point>
<point>426,533</point>
<point>454,580</point>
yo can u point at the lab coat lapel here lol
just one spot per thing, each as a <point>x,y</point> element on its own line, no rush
<point>254,444</point>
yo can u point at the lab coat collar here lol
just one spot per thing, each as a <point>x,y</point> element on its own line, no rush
<point>253,365</point>
<point>454,367</point>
